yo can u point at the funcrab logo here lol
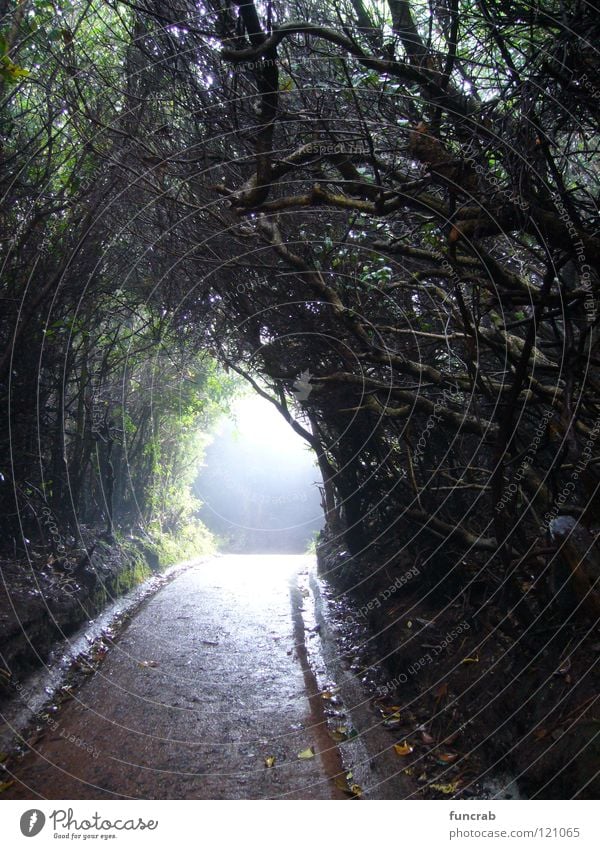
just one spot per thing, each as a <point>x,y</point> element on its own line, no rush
<point>32,822</point>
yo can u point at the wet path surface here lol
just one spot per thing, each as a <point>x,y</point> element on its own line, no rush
<point>220,670</point>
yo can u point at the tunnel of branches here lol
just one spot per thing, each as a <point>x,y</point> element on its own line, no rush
<point>396,201</point>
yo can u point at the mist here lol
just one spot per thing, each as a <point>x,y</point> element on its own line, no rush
<point>259,483</point>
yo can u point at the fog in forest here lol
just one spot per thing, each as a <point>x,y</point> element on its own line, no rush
<point>259,483</point>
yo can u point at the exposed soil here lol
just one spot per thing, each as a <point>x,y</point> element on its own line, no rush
<point>45,598</point>
<point>497,705</point>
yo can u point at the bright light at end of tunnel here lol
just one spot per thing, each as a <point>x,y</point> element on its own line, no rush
<point>259,483</point>
<point>259,422</point>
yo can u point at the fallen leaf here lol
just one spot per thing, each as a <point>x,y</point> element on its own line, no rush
<point>269,761</point>
<point>403,748</point>
<point>447,789</point>
<point>330,694</point>
<point>306,753</point>
<point>341,782</point>
<point>540,733</point>
<point>447,757</point>
<point>391,710</point>
<point>5,785</point>
<point>408,771</point>
<point>65,694</point>
<point>427,738</point>
<point>474,659</point>
<point>147,663</point>
<point>339,734</point>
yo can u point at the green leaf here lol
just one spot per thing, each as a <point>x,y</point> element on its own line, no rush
<point>11,72</point>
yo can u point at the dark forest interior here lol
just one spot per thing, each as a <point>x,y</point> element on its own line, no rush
<point>380,218</point>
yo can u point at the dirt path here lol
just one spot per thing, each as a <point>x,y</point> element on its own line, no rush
<point>211,677</point>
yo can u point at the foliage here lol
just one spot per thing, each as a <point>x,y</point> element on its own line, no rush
<point>396,198</point>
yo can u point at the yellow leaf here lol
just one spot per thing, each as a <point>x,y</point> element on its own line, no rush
<point>474,659</point>
<point>341,782</point>
<point>269,761</point>
<point>403,748</point>
<point>5,785</point>
<point>306,753</point>
<point>10,70</point>
<point>391,712</point>
<point>445,788</point>
<point>329,694</point>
